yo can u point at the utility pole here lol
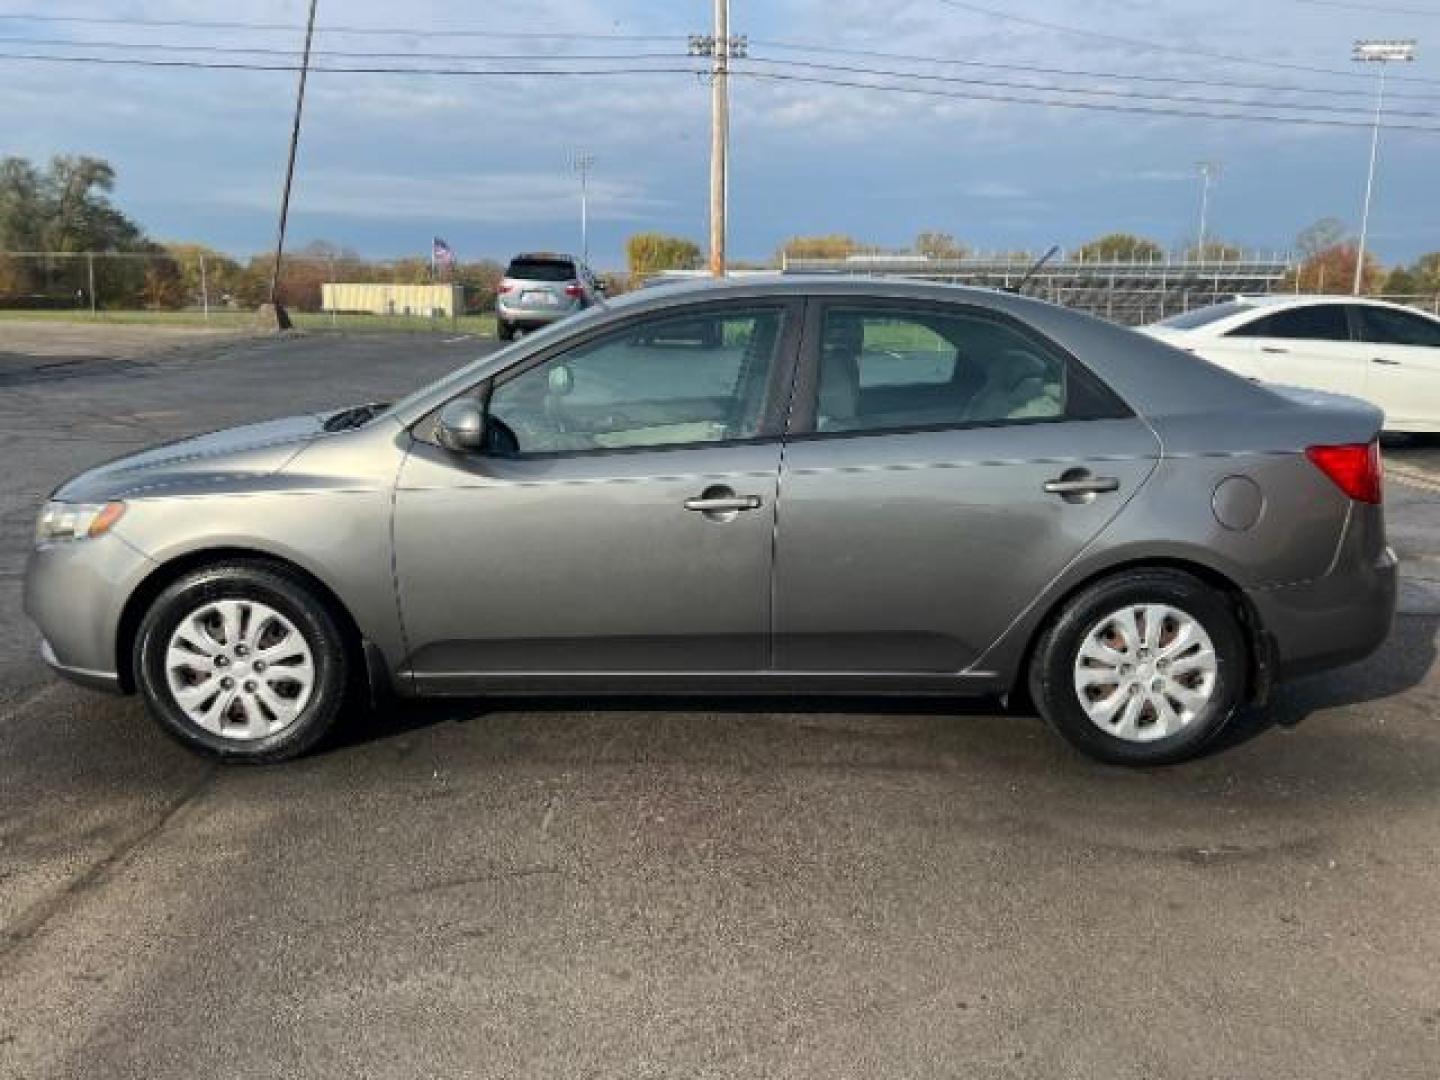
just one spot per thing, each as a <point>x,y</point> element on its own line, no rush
<point>1375,52</point>
<point>1209,172</point>
<point>721,48</point>
<point>283,320</point>
<point>582,163</point>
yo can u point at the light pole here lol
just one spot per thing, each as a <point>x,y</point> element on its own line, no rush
<point>1375,52</point>
<point>1209,172</point>
<point>582,163</point>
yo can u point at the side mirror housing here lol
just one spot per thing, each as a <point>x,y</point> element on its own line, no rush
<point>461,427</point>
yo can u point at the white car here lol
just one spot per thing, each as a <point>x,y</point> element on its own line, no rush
<point>1384,353</point>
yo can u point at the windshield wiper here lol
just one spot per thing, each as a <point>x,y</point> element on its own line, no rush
<point>355,417</point>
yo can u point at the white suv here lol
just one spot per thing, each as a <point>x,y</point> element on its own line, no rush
<point>540,289</point>
<point>1384,353</point>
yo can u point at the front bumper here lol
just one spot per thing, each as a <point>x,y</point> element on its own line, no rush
<point>75,592</point>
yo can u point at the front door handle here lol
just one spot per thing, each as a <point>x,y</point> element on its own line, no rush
<point>1385,360</point>
<point>1276,350</point>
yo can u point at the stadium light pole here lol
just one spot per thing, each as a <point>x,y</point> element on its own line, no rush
<point>1209,173</point>
<point>1381,53</point>
<point>582,163</point>
<point>281,318</point>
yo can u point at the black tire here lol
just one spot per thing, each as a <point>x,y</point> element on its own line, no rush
<point>282,591</point>
<point>1052,669</point>
<point>504,331</point>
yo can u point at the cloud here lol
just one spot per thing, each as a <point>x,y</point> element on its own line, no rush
<point>477,198</point>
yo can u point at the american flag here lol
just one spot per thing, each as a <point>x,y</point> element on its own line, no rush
<point>441,253</point>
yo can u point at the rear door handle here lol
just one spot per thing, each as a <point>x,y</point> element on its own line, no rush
<point>724,504</point>
<point>1082,485</point>
<point>1276,350</point>
<point>1385,360</point>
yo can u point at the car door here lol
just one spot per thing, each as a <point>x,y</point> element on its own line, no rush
<point>621,517</point>
<point>945,463</point>
<point>1402,349</point>
<point>1307,346</point>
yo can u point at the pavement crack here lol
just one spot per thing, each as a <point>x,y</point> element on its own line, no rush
<point>32,921</point>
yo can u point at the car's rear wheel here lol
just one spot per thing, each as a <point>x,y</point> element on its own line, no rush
<point>242,661</point>
<point>504,331</point>
<point>1143,668</point>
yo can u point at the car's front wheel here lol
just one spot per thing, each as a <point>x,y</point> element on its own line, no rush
<point>1142,668</point>
<point>242,661</point>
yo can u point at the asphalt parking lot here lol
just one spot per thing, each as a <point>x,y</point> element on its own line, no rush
<point>692,888</point>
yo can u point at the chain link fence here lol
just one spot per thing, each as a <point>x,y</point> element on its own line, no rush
<point>186,286</point>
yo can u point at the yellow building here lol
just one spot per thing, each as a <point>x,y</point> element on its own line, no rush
<point>429,301</point>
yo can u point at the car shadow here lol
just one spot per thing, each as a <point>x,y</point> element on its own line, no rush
<point>1401,664</point>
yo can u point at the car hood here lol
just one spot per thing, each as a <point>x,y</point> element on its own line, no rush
<point>219,459</point>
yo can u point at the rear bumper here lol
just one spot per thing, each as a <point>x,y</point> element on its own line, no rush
<point>1334,620</point>
<point>533,316</point>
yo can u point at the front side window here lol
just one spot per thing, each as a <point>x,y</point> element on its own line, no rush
<point>896,369</point>
<point>1386,326</point>
<point>1316,322</point>
<point>700,378</point>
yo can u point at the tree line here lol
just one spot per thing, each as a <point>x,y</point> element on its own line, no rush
<point>65,207</point>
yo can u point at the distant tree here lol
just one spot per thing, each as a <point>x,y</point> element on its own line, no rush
<point>650,252</point>
<point>222,273</point>
<point>163,288</point>
<point>1215,251</point>
<point>1327,233</point>
<point>1427,272</point>
<point>832,246</point>
<point>939,245</point>
<point>480,279</point>
<point>1121,247</point>
<point>1401,282</point>
<point>1332,270</point>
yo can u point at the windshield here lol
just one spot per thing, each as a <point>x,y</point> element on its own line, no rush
<point>1204,316</point>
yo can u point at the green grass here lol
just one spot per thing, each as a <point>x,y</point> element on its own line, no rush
<point>482,325</point>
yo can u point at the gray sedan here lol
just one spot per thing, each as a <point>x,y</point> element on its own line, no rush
<point>770,487</point>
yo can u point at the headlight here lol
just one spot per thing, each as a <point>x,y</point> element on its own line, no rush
<point>76,521</point>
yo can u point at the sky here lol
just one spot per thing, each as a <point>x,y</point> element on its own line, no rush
<point>388,161</point>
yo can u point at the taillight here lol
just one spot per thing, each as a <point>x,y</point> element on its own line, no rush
<point>505,287</point>
<point>574,291</point>
<point>1355,469</point>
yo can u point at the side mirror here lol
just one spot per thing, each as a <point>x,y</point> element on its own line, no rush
<point>461,427</point>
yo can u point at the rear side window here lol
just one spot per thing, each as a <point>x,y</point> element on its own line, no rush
<point>897,369</point>
<point>1386,326</point>
<point>541,270</point>
<point>1316,322</point>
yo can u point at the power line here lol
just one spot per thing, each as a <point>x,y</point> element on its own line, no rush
<point>1292,88</point>
<point>242,50</point>
<point>380,31</point>
<point>1089,106</point>
<point>1378,9</point>
<point>1157,46</point>
<point>842,68</point>
<point>1192,99</point>
<point>968,95</point>
<point>220,65</point>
